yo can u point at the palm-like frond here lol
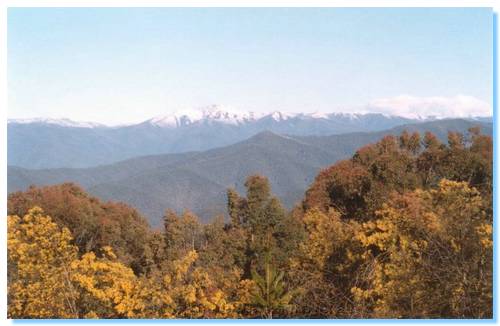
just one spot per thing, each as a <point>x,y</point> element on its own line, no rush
<point>271,293</point>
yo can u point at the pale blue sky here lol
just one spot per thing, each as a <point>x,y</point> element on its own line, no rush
<point>126,65</point>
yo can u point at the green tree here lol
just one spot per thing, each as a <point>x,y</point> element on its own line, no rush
<point>271,295</point>
<point>263,221</point>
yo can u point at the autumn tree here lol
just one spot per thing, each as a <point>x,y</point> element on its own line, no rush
<point>428,163</point>
<point>431,255</point>
<point>403,229</point>
<point>39,260</point>
<point>47,279</point>
<point>344,187</point>
<point>107,288</point>
<point>93,223</point>
<point>326,266</point>
<point>358,187</point>
<point>184,290</point>
<point>182,234</point>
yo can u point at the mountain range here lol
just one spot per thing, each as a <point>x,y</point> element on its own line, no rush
<point>52,143</point>
<point>198,180</point>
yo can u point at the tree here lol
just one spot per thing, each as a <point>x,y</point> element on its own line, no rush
<point>399,230</point>
<point>172,234</point>
<point>270,294</point>
<point>327,265</point>
<point>39,268</point>
<point>223,246</point>
<point>410,143</point>
<point>234,203</point>
<point>429,161</point>
<point>182,234</point>
<point>430,255</point>
<point>186,291</point>
<point>358,187</point>
<point>94,224</point>
<point>414,144</point>
<point>107,288</point>
<point>262,220</point>
<point>344,187</point>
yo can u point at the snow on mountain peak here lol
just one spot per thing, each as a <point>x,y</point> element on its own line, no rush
<point>213,113</point>
<point>225,115</point>
<point>317,115</point>
<point>402,107</point>
<point>281,116</point>
<point>59,122</point>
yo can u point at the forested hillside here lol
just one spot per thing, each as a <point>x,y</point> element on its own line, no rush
<point>198,180</point>
<point>68,144</point>
<point>401,229</point>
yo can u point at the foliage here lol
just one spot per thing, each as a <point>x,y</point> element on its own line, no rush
<point>269,231</point>
<point>430,255</point>
<point>270,295</point>
<point>358,187</point>
<point>40,254</point>
<point>47,279</point>
<point>326,265</point>
<point>107,288</point>
<point>94,224</point>
<point>182,234</point>
<point>403,229</point>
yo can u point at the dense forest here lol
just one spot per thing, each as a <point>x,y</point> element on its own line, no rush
<point>403,229</point>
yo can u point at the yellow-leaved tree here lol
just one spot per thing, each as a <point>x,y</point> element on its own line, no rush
<point>47,279</point>
<point>187,291</point>
<point>106,287</point>
<point>326,265</point>
<point>430,254</point>
<point>39,268</point>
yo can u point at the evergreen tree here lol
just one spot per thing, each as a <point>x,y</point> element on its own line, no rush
<point>271,295</point>
<point>264,222</point>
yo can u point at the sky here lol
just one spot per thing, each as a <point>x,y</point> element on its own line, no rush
<point>125,65</point>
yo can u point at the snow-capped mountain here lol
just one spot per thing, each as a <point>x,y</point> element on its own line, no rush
<point>49,143</point>
<point>221,115</point>
<point>204,115</point>
<point>58,122</point>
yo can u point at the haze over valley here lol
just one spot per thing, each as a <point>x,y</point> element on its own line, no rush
<point>186,163</point>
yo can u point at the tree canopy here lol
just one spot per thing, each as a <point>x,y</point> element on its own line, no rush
<point>403,229</point>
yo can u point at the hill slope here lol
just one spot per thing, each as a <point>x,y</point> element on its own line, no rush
<point>50,143</point>
<point>198,180</point>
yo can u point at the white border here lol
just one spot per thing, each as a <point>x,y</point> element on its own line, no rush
<point>249,3</point>
<point>162,3</point>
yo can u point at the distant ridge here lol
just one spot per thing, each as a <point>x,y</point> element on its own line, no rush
<point>57,122</point>
<point>198,180</point>
<point>56,143</point>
